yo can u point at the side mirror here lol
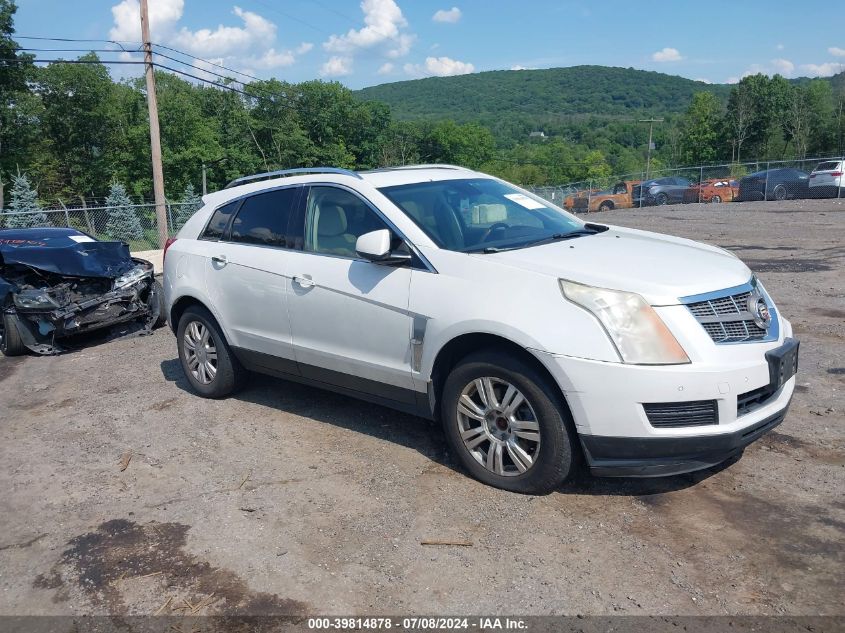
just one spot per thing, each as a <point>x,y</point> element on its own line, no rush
<point>375,246</point>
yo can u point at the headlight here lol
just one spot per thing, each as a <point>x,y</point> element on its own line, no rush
<point>35,299</point>
<point>639,334</point>
<point>132,277</point>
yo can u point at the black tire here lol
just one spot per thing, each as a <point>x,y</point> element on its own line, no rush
<point>716,199</point>
<point>557,456</point>
<point>661,199</point>
<point>230,374</point>
<point>158,313</point>
<point>606,206</point>
<point>11,343</point>
<point>779,193</point>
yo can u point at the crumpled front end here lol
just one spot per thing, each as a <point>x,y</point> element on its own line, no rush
<point>46,306</point>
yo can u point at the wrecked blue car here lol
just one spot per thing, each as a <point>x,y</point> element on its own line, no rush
<point>57,282</point>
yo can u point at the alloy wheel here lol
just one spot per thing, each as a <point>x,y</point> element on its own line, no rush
<point>200,352</point>
<point>498,426</point>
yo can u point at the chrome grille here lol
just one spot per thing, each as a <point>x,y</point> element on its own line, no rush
<point>727,319</point>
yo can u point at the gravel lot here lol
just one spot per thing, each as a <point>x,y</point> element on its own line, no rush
<point>286,499</point>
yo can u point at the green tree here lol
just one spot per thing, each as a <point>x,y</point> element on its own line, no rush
<point>24,201</point>
<point>699,129</point>
<point>190,204</point>
<point>123,223</point>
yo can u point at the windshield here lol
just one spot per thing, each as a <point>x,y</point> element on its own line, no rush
<point>480,213</point>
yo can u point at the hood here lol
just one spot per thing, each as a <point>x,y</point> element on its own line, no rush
<point>64,252</point>
<point>659,267</point>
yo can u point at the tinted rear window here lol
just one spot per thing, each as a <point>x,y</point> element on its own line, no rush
<point>219,221</point>
<point>263,218</point>
<point>831,165</point>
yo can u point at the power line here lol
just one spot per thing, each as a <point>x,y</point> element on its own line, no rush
<point>200,59</point>
<point>72,39</point>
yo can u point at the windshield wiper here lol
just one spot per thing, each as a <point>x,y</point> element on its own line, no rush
<point>589,229</point>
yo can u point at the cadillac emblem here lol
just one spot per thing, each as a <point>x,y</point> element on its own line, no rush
<point>759,310</point>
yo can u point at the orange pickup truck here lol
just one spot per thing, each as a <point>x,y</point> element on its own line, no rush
<point>617,197</point>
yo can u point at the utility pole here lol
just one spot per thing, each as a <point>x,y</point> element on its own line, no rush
<point>155,134</point>
<point>651,123</point>
<point>205,167</point>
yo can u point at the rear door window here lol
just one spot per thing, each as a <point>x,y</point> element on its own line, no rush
<point>263,218</point>
<point>828,166</point>
<point>219,221</point>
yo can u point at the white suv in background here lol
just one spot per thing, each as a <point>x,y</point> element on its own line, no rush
<point>826,180</point>
<point>536,338</point>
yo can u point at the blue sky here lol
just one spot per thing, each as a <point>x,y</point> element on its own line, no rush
<point>377,41</point>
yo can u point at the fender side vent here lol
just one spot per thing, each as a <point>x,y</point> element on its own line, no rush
<point>675,415</point>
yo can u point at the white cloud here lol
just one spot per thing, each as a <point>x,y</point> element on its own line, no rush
<point>666,55</point>
<point>783,66</point>
<point>251,43</point>
<point>518,67</point>
<point>836,51</point>
<point>164,14</point>
<point>439,67</point>
<point>383,20</point>
<point>822,70</point>
<point>449,16</point>
<point>336,66</point>
<point>304,48</point>
<point>732,80</point>
<point>703,80</point>
<point>386,69</point>
<point>774,67</point>
<point>780,47</point>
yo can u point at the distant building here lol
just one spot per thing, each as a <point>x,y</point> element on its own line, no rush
<point>537,135</point>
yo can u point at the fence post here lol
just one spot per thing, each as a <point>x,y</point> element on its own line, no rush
<point>67,215</point>
<point>169,215</point>
<point>838,187</point>
<point>766,186</point>
<point>589,195</point>
<point>700,182</point>
<point>85,213</point>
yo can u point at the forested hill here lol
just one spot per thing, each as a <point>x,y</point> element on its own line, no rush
<point>541,95</point>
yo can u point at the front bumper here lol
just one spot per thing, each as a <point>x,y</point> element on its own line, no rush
<point>606,401</point>
<point>658,457</point>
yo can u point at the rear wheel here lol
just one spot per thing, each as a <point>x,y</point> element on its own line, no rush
<point>504,427</point>
<point>779,193</point>
<point>11,343</point>
<point>207,361</point>
<point>607,205</point>
<point>716,199</point>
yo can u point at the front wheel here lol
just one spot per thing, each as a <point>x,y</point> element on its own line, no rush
<point>11,343</point>
<point>780,192</point>
<point>606,206</point>
<point>716,199</point>
<point>208,363</point>
<point>505,426</point>
<point>661,199</point>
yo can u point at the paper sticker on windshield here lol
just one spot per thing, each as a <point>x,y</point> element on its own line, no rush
<point>524,201</point>
<point>81,238</point>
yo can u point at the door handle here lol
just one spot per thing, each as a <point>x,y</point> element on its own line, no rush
<point>220,259</point>
<point>304,281</point>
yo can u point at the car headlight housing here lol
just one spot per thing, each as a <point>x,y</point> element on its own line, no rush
<point>637,332</point>
<point>35,299</point>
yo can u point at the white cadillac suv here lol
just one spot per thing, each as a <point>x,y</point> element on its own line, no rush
<point>538,340</point>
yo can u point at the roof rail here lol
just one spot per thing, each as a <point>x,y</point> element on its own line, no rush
<point>281,173</point>
<point>409,167</point>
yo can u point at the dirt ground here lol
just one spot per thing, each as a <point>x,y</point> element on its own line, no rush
<point>120,492</point>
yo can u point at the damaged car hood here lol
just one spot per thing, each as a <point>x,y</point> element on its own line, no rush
<point>65,252</point>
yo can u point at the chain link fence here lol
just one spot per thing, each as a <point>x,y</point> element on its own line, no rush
<point>782,179</point>
<point>134,224</point>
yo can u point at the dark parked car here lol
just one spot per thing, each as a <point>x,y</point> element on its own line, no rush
<point>660,191</point>
<point>57,282</point>
<point>779,184</point>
